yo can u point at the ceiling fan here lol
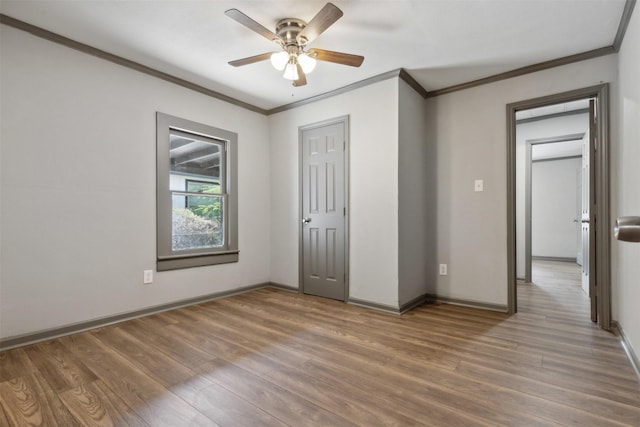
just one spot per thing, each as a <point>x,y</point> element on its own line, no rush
<point>293,35</point>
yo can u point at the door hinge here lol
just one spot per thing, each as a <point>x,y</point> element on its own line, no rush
<point>344,211</point>
<point>344,145</point>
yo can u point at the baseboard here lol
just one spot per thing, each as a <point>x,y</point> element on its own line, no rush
<point>47,334</point>
<point>403,308</point>
<point>417,301</point>
<point>553,258</point>
<point>469,303</point>
<point>628,348</point>
<point>282,287</point>
<point>374,305</point>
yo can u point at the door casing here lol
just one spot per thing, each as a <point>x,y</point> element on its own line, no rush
<point>602,214</point>
<point>301,129</point>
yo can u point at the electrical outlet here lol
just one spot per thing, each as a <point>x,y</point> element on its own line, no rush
<point>478,185</point>
<point>147,277</point>
<point>443,269</point>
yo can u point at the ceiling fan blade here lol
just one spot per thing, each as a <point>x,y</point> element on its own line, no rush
<point>251,59</point>
<point>337,57</point>
<point>323,20</point>
<point>302,79</point>
<point>243,19</point>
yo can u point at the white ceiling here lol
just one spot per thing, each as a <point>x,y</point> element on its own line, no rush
<point>439,42</point>
<point>556,149</point>
<point>565,107</point>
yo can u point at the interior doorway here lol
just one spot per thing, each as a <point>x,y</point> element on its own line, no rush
<point>555,293</point>
<point>521,250</point>
<point>552,189</point>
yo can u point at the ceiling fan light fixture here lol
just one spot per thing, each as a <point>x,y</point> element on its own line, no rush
<point>291,71</point>
<point>279,60</point>
<point>306,62</point>
<point>293,35</point>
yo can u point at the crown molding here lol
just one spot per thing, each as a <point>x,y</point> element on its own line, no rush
<point>404,75</point>
<point>595,53</point>
<point>624,23</point>
<point>401,73</point>
<point>85,48</point>
<point>526,70</point>
<point>357,85</point>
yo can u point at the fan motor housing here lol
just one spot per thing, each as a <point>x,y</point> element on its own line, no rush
<point>288,30</point>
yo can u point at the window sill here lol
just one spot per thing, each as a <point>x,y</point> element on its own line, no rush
<point>196,261</point>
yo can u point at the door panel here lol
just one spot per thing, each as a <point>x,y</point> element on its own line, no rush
<point>584,214</point>
<point>323,211</point>
<point>577,220</point>
<point>588,212</point>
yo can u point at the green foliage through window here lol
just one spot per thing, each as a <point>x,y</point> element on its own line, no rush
<point>205,207</point>
<point>200,224</point>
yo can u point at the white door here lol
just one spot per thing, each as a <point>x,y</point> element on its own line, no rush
<point>578,218</point>
<point>323,221</point>
<point>588,211</point>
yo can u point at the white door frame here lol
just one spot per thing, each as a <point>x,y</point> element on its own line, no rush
<point>301,129</point>
<point>602,214</point>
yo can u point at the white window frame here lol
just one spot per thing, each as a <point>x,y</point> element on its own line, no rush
<point>167,258</point>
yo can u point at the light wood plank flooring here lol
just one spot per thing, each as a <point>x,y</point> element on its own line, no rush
<point>275,358</point>
<point>555,292</point>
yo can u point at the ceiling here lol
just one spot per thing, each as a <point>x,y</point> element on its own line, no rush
<point>440,43</point>
<point>565,107</point>
<point>557,149</point>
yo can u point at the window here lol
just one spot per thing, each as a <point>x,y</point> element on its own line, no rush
<point>197,198</point>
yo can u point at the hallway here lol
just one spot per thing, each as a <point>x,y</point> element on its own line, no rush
<point>555,293</point>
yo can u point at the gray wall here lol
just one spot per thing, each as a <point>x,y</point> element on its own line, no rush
<point>554,201</point>
<point>417,265</point>
<point>626,191</point>
<point>78,136</point>
<point>373,189</point>
<point>78,188</point>
<point>391,188</point>
<point>469,129</point>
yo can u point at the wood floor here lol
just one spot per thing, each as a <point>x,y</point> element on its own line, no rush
<point>275,358</point>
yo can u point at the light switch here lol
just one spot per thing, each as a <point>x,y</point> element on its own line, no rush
<point>479,185</point>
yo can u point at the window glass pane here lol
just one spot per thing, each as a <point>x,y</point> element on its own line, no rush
<point>193,157</point>
<point>197,222</point>
<point>202,187</point>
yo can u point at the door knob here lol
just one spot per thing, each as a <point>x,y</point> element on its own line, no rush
<point>628,228</point>
<point>306,220</point>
